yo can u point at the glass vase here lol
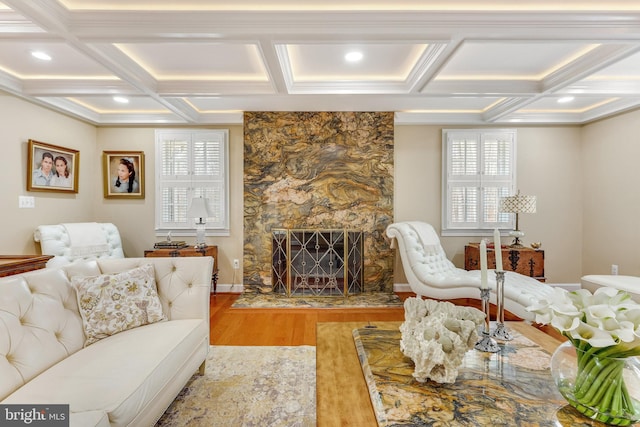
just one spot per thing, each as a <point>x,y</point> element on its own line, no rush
<point>599,385</point>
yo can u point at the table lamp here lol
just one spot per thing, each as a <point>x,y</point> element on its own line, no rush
<point>199,208</point>
<point>517,204</point>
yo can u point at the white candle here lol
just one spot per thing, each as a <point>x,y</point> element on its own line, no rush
<point>483,265</point>
<point>498,249</point>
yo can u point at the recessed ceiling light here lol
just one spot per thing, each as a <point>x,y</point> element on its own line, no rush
<point>565,99</point>
<point>41,55</point>
<point>121,99</point>
<point>353,56</point>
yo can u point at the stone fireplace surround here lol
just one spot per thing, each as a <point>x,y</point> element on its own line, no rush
<point>318,170</point>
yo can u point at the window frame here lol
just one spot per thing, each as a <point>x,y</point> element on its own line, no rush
<point>480,180</point>
<point>193,184</point>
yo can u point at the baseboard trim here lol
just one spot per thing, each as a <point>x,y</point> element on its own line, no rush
<point>401,287</point>
<point>229,289</point>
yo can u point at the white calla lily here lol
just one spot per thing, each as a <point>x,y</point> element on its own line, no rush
<point>596,337</point>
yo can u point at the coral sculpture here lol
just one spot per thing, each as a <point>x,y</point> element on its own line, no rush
<point>436,335</point>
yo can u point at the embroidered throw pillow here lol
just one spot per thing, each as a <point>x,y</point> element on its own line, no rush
<point>112,303</point>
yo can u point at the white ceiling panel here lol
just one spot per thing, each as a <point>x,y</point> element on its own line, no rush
<point>206,61</point>
<point>577,105</point>
<point>458,103</point>
<point>323,62</point>
<point>511,60</point>
<point>66,62</point>
<point>107,104</point>
<point>432,62</point>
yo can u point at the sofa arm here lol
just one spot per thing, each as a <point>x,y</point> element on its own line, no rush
<point>184,283</point>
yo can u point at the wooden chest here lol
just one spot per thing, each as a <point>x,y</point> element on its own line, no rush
<point>527,261</point>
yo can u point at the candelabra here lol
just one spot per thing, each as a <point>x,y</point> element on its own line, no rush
<point>500,332</point>
<point>486,343</point>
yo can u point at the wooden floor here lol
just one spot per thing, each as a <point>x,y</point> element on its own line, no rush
<point>295,326</point>
<point>283,326</point>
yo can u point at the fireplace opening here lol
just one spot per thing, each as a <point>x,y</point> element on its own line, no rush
<point>317,262</point>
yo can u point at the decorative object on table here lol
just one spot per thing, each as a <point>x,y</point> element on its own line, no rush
<point>501,331</point>
<point>52,168</point>
<point>486,343</point>
<point>517,204</point>
<point>599,374</point>
<point>436,335</point>
<point>123,174</point>
<point>199,209</point>
<point>170,244</point>
<point>536,245</point>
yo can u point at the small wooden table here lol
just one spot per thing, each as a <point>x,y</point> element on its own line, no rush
<point>342,393</point>
<point>190,251</point>
<point>16,264</point>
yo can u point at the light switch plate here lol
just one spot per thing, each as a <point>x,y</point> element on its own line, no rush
<point>26,202</point>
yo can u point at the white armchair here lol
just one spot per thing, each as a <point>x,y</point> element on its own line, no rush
<point>78,241</point>
<point>431,274</point>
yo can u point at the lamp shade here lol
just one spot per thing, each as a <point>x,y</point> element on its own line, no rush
<point>518,204</point>
<point>199,208</point>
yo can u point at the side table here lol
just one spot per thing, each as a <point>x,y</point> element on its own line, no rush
<point>527,261</point>
<point>190,251</point>
<point>16,264</point>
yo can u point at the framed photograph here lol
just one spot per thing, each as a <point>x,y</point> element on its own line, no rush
<point>123,174</point>
<point>52,168</point>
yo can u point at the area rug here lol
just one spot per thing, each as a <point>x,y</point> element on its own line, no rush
<point>249,386</point>
<point>250,299</point>
<point>510,388</point>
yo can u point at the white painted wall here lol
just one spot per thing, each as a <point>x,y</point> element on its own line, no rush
<point>610,153</point>
<point>20,122</point>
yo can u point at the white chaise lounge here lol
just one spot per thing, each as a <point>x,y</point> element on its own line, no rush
<point>431,274</point>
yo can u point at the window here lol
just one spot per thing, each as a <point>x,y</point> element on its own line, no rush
<point>191,163</point>
<point>479,169</point>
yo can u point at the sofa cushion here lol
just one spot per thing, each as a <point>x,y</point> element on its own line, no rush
<point>112,303</point>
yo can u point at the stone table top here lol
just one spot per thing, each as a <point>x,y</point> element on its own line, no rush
<point>510,388</point>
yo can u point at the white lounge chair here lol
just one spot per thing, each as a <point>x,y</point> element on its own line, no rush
<point>431,274</point>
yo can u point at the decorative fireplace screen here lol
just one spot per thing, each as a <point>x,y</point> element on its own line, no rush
<point>317,262</point>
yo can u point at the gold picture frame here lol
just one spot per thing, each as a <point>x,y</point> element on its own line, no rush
<point>42,173</point>
<point>123,174</point>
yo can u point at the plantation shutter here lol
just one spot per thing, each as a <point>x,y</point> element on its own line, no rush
<point>190,164</point>
<point>479,169</point>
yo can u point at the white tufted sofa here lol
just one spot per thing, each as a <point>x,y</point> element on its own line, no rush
<point>629,284</point>
<point>55,240</point>
<point>432,275</point>
<point>127,379</point>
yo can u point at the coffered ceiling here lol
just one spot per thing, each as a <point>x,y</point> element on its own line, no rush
<point>433,62</point>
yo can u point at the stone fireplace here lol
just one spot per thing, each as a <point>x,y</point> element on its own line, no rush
<point>318,171</point>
